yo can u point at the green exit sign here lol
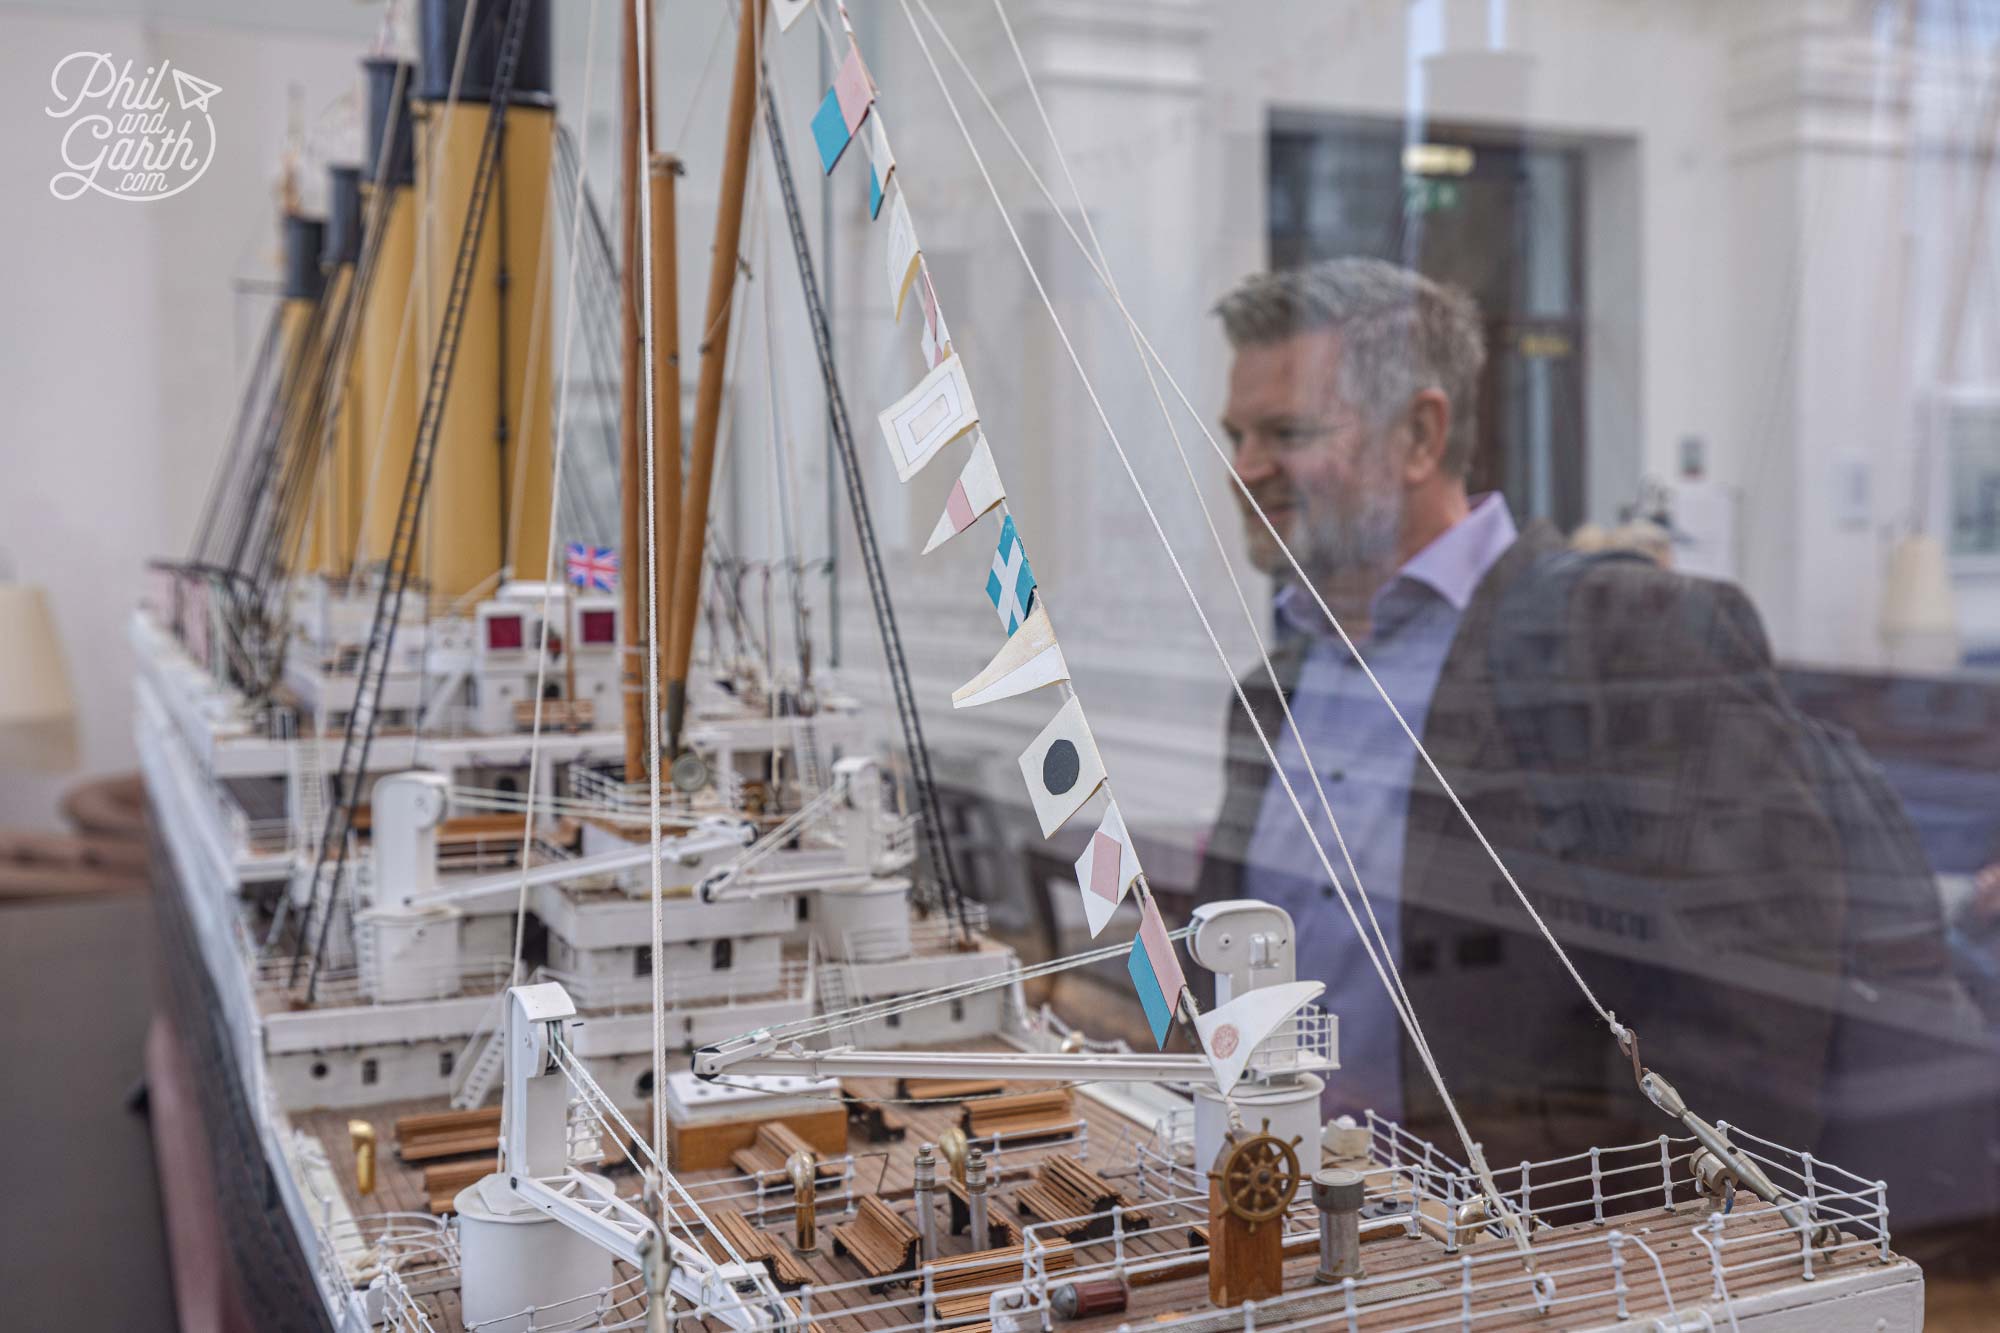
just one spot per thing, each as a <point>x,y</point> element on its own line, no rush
<point>1428,194</point>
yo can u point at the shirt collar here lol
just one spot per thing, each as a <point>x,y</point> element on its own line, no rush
<point>1451,566</point>
<point>1459,557</point>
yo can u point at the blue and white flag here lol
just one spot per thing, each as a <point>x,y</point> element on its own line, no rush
<point>1010,585</point>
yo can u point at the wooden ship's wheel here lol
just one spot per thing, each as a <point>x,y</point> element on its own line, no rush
<point>1258,1174</point>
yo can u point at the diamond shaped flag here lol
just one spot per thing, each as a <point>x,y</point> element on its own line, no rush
<point>1062,768</point>
<point>977,490</point>
<point>1106,869</point>
<point>841,110</point>
<point>1010,584</point>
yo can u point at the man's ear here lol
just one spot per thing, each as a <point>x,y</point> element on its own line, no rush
<point>1427,424</point>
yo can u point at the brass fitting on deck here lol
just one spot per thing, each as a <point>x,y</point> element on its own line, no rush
<point>804,1170</point>
<point>361,1134</point>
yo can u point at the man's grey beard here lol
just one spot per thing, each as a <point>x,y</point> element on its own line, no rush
<point>1336,544</point>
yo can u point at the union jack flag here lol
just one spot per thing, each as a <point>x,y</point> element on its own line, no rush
<point>591,566</point>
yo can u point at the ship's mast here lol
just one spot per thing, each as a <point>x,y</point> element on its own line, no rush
<point>661,174</point>
<point>631,343</point>
<point>708,392</point>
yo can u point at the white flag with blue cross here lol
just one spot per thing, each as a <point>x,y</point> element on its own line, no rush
<point>1010,585</point>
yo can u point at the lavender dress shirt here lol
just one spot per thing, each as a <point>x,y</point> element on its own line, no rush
<point>1365,763</point>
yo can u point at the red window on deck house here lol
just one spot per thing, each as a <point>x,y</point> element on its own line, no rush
<point>503,633</point>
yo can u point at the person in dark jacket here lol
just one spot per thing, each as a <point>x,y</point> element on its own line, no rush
<point>1614,729</point>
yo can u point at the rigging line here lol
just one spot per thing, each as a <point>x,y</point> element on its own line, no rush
<point>1187,405</point>
<point>239,435</point>
<point>1173,558</point>
<point>359,736</point>
<point>280,428</point>
<point>778,516</point>
<point>636,181</point>
<point>1392,974</point>
<point>944,884</point>
<point>725,431</point>
<point>1067,690</point>
<point>600,278</point>
<point>379,207</point>
<point>748,1084</point>
<point>785,464</point>
<point>1401,991</point>
<point>701,82</point>
<point>599,1102</point>
<point>308,431</point>
<point>535,325</point>
<point>820,1024</point>
<point>555,498</point>
<point>377,217</point>
<point>826,27</point>
<point>522,429</point>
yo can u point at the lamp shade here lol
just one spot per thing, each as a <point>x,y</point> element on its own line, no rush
<point>37,708</point>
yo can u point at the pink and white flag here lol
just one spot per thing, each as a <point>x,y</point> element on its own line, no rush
<point>977,490</point>
<point>853,89</point>
<point>1106,869</point>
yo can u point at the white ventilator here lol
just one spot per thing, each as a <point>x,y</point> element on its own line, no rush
<point>411,948</point>
<point>537,1238</point>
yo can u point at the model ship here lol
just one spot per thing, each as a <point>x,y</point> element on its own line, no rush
<point>542,973</point>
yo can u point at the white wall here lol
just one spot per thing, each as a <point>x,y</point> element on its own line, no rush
<point>123,343</point>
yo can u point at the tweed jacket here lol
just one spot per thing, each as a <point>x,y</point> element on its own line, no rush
<point>1618,733</point>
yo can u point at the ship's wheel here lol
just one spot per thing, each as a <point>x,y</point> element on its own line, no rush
<point>1258,1174</point>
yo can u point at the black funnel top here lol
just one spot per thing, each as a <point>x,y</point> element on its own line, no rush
<point>438,25</point>
<point>304,239</point>
<point>343,216</point>
<point>401,168</point>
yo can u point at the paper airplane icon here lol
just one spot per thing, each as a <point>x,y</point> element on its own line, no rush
<point>194,93</point>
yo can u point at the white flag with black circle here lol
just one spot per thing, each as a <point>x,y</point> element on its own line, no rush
<point>1062,768</point>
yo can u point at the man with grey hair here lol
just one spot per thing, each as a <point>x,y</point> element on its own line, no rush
<point>1616,731</point>
<point>1352,409</point>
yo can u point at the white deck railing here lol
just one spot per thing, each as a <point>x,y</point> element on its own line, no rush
<point>787,981</point>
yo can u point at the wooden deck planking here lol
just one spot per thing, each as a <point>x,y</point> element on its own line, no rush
<point>1111,1141</point>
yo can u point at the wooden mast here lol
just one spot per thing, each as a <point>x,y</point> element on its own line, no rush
<point>666,385</point>
<point>713,349</point>
<point>631,557</point>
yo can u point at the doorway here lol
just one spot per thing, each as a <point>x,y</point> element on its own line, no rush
<point>1500,218</point>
